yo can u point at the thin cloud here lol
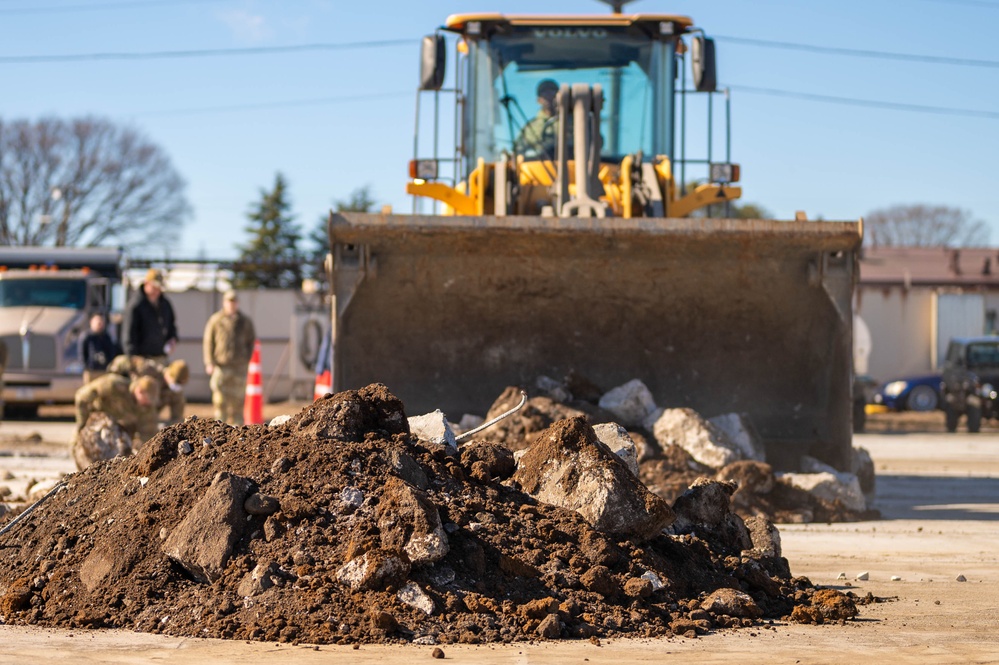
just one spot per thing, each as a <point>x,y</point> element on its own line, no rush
<point>246,26</point>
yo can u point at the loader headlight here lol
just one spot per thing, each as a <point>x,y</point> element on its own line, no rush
<point>423,169</point>
<point>988,392</point>
<point>895,388</point>
<point>724,173</point>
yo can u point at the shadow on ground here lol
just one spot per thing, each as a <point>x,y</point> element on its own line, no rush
<point>904,497</point>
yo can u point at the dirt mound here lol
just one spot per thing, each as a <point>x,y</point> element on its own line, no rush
<point>338,526</point>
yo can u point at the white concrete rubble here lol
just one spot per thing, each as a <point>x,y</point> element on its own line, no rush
<point>830,486</point>
<point>620,443</point>
<point>737,428</point>
<point>631,402</point>
<point>433,428</point>
<point>703,441</point>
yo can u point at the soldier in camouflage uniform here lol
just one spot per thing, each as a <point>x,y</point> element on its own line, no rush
<point>129,403</point>
<point>228,347</point>
<point>171,379</point>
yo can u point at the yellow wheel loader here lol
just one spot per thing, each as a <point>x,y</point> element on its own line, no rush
<point>558,233</point>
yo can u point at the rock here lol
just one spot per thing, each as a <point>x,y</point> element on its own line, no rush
<point>101,438</point>
<point>352,496</point>
<point>864,576</point>
<point>468,422</point>
<point>638,587</point>
<point>36,491</point>
<point>740,432</point>
<point>203,541</point>
<point>753,480</point>
<point>437,653</point>
<point>599,580</point>
<point>261,504</point>
<point>841,576</point>
<point>702,440</point>
<point>654,579</point>
<point>764,534</point>
<point>704,509</point>
<point>434,428</point>
<point>374,570</point>
<point>862,466</point>
<point>409,523</point>
<point>556,390</point>
<point>415,597</point>
<point>277,421</point>
<point>408,469</point>
<point>352,414</point>
<point>733,603</point>
<point>569,468</point>
<point>617,439</point>
<point>258,580</point>
<point>631,403</point>
<point>830,486</point>
<point>550,627</point>
<point>962,578</point>
<point>896,578</point>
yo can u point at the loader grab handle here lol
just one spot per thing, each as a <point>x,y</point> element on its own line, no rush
<point>476,430</point>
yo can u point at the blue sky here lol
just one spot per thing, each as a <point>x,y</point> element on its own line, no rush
<point>335,120</point>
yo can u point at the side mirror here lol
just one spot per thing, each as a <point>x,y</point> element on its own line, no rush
<point>432,62</point>
<point>702,62</point>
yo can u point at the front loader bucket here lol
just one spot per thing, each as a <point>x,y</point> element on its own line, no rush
<point>749,316</point>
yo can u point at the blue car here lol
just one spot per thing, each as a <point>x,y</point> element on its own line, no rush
<point>912,393</point>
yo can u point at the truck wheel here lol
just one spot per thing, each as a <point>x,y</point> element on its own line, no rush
<point>974,418</point>
<point>922,398</point>
<point>951,416</point>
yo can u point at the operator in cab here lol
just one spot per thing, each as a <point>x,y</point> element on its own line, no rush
<point>539,136</point>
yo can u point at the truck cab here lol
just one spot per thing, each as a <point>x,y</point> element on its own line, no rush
<point>47,296</point>
<point>969,380</point>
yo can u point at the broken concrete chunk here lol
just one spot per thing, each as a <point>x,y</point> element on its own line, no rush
<point>620,443</point>
<point>732,603</point>
<point>277,421</point>
<point>704,509</point>
<point>554,389</point>
<point>203,542</point>
<point>702,440</point>
<point>739,430</point>
<point>101,438</point>
<point>258,580</point>
<point>631,402</point>
<point>408,469</point>
<point>567,467</point>
<point>832,487</point>
<point>862,466</point>
<point>409,523</point>
<point>417,598</point>
<point>373,570</point>
<point>433,428</point>
<point>764,534</point>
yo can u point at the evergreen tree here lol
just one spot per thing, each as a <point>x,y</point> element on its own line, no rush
<point>271,259</point>
<point>360,200</point>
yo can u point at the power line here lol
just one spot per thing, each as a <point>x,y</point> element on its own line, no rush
<point>274,105</point>
<point>101,6</point>
<point>861,53</point>
<point>201,53</point>
<point>870,103</point>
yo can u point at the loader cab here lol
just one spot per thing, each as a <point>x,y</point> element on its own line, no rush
<point>635,64</point>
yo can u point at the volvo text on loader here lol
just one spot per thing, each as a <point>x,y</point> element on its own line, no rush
<point>558,234</point>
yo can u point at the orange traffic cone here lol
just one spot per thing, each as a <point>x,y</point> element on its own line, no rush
<point>253,405</point>
<point>324,385</point>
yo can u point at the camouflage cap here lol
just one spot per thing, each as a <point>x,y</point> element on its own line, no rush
<point>121,365</point>
<point>177,372</point>
<point>149,386</point>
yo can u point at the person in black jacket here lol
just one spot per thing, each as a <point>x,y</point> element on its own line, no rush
<point>97,349</point>
<point>150,329</point>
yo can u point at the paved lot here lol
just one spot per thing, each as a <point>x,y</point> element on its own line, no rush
<point>939,495</point>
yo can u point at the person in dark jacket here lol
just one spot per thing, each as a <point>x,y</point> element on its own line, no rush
<point>150,329</point>
<point>97,349</point>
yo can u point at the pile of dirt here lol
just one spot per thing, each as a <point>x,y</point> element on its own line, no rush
<point>338,526</point>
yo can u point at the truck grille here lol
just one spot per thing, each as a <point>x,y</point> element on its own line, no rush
<point>42,352</point>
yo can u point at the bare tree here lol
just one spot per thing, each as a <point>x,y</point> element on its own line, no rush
<point>85,182</point>
<point>924,226</point>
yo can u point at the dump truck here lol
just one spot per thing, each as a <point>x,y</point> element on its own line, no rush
<point>564,232</point>
<point>47,295</point>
